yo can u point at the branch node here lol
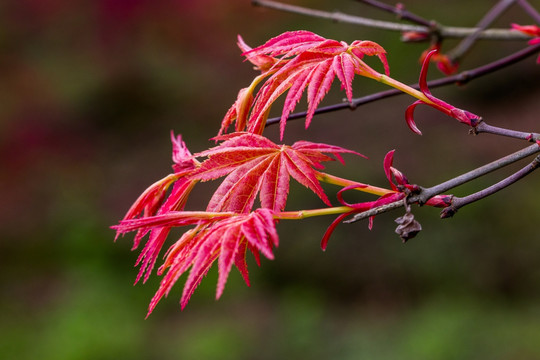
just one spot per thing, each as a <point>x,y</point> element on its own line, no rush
<point>476,121</point>
<point>535,163</point>
<point>335,16</point>
<point>433,25</point>
<point>477,126</point>
<point>420,196</point>
<point>400,8</point>
<point>463,78</point>
<point>352,104</point>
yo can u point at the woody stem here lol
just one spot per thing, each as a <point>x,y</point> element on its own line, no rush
<point>484,127</point>
<point>400,12</point>
<point>465,45</point>
<point>530,10</point>
<point>428,193</point>
<point>474,174</point>
<point>459,79</point>
<point>447,32</point>
<point>458,202</point>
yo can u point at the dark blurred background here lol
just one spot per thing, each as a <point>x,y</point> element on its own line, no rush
<point>89,93</point>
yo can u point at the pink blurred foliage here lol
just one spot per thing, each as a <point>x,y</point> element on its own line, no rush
<point>45,132</point>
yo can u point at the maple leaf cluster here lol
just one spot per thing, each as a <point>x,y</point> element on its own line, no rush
<point>293,61</point>
<point>253,167</point>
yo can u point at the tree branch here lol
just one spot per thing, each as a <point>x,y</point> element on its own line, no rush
<point>465,45</point>
<point>375,211</point>
<point>443,31</point>
<point>458,202</point>
<point>458,79</point>
<point>471,35</point>
<point>400,12</point>
<point>483,127</point>
<point>427,193</point>
<point>530,10</point>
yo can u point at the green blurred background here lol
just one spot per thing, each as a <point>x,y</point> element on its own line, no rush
<point>89,93</point>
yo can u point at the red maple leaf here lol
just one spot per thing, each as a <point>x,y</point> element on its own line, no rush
<point>255,165</point>
<point>252,165</point>
<point>224,237</point>
<point>303,59</point>
<point>156,201</point>
<point>261,62</point>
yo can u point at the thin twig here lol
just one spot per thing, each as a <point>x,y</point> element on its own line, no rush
<point>376,211</point>
<point>400,12</point>
<point>444,31</point>
<point>427,193</point>
<point>460,78</point>
<point>483,127</point>
<point>530,10</point>
<point>459,202</point>
<point>473,34</point>
<point>339,17</point>
<point>465,45</point>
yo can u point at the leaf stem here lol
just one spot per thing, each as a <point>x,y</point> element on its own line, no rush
<point>335,180</point>
<point>404,88</point>
<point>303,214</point>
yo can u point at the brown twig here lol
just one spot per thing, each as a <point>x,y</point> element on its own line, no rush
<point>466,44</point>
<point>444,31</point>
<point>460,78</point>
<point>484,127</point>
<point>400,12</point>
<point>470,35</point>
<point>427,193</point>
<point>530,10</point>
<point>459,202</point>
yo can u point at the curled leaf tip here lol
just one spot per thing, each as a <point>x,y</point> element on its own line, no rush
<point>426,57</point>
<point>331,228</point>
<point>409,117</point>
